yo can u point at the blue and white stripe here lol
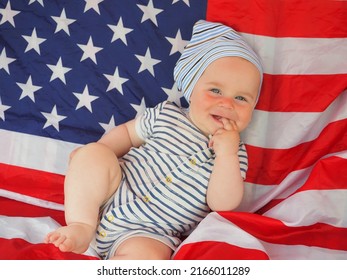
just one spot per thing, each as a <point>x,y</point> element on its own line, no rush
<point>163,191</point>
<point>209,42</point>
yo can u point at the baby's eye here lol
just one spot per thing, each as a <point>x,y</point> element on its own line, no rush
<point>216,90</point>
<point>241,98</point>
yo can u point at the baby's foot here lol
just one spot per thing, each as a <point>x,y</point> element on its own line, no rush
<point>72,238</point>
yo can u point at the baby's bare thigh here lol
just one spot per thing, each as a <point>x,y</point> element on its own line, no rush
<point>142,248</point>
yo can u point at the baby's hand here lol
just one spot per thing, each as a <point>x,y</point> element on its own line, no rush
<point>226,140</point>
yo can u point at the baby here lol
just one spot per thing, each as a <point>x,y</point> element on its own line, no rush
<point>152,179</point>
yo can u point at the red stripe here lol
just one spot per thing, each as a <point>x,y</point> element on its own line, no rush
<point>268,206</point>
<point>14,208</point>
<point>328,174</point>
<point>295,18</point>
<point>271,166</point>
<point>213,250</point>
<point>19,249</point>
<point>35,183</point>
<point>275,232</point>
<point>300,93</point>
<point>320,179</point>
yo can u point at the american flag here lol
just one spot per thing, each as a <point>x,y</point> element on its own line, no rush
<point>71,70</point>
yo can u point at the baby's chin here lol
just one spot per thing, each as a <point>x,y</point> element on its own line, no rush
<point>211,133</point>
<point>208,134</point>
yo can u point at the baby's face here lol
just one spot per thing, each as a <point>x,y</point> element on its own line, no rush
<point>227,89</point>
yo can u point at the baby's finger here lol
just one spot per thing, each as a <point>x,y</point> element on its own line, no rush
<point>219,131</point>
<point>233,126</point>
<point>227,124</point>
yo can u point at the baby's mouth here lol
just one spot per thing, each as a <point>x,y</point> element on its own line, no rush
<point>218,120</point>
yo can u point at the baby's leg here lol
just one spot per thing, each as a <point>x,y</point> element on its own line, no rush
<point>142,248</point>
<point>93,176</point>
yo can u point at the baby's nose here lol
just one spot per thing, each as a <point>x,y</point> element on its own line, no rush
<point>227,103</point>
<point>226,110</point>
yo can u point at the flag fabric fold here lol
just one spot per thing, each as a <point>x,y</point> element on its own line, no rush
<point>72,70</point>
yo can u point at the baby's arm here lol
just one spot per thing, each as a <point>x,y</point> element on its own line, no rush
<point>225,189</point>
<point>120,139</point>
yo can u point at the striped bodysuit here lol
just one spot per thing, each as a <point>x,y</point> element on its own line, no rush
<point>162,194</point>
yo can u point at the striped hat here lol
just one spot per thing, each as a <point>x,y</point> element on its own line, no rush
<point>209,42</point>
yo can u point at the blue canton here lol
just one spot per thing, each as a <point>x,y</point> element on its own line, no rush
<point>72,70</point>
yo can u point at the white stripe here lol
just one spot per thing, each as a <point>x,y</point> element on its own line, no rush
<point>31,200</point>
<point>281,130</point>
<point>302,252</point>
<point>218,229</point>
<point>300,55</point>
<point>313,206</point>
<point>257,196</point>
<point>32,230</point>
<point>34,152</point>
